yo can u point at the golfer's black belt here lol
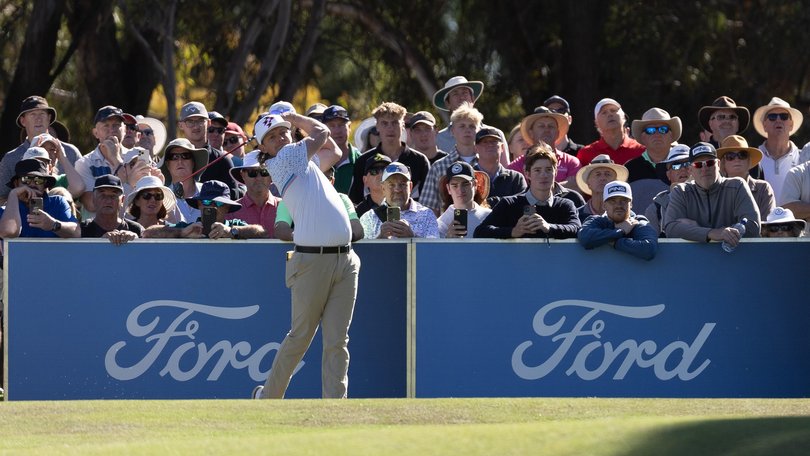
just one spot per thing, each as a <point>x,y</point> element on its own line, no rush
<point>321,250</point>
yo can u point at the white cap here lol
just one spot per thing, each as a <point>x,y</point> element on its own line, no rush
<point>677,152</point>
<point>603,102</point>
<point>396,168</point>
<point>266,123</point>
<point>617,188</point>
<point>37,152</point>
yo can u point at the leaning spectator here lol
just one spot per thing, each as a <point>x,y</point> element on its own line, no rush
<point>55,219</point>
<point>781,223</point>
<point>537,212</point>
<point>468,190</point>
<point>619,226</point>
<point>737,160</point>
<point>150,202</point>
<point>416,220</point>
<point>153,135</point>
<point>613,139</point>
<point>108,198</point>
<point>706,209</point>
<point>259,206</point>
<point>677,165</point>
<point>592,179</point>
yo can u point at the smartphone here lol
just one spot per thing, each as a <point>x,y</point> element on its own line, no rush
<point>144,156</point>
<point>392,214</point>
<point>529,210</point>
<point>209,216</point>
<point>36,204</point>
<point>460,216</point>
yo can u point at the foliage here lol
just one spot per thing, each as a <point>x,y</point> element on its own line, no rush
<point>239,56</point>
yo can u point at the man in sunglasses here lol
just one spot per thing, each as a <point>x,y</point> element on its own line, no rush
<point>777,122</point>
<point>737,160</point>
<point>723,118</point>
<point>336,117</point>
<point>216,129</point>
<point>259,206</point>
<point>706,209</point>
<point>108,196</point>
<point>19,217</point>
<point>372,180</point>
<point>677,165</point>
<point>322,268</point>
<point>234,143</point>
<point>559,105</point>
<point>656,131</point>
<point>194,123</point>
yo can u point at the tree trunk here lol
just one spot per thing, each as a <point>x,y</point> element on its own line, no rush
<point>294,77</point>
<point>33,73</point>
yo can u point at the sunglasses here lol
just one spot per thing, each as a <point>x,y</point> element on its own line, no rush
<point>132,127</point>
<point>780,115</point>
<point>212,203</point>
<point>677,166</point>
<point>708,163</point>
<point>148,196</point>
<point>778,228</point>
<point>147,132</point>
<point>722,117</point>
<point>37,180</point>
<point>375,171</point>
<point>217,130</point>
<point>232,140</point>
<point>252,173</point>
<point>559,110</point>
<point>663,129</point>
<point>740,155</point>
<point>180,156</point>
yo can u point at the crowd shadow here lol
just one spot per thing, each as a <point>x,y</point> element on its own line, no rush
<point>782,436</point>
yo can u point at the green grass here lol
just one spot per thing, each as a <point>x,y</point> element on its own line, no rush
<point>625,427</point>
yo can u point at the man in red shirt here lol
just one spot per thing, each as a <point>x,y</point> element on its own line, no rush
<point>614,141</point>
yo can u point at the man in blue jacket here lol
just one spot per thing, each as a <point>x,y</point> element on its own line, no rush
<point>619,226</point>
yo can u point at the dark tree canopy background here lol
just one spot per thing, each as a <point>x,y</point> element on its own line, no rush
<point>239,56</point>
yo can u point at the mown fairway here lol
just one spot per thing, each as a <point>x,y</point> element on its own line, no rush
<point>409,427</point>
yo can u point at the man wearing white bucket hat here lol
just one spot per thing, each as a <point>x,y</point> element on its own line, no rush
<point>777,121</point>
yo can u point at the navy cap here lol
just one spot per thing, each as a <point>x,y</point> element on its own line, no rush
<point>334,112</point>
<point>486,133</point>
<point>560,100</point>
<point>108,111</point>
<point>108,181</point>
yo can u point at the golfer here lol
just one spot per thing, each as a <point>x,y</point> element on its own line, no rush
<point>322,270</point>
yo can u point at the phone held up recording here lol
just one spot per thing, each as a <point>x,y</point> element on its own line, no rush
<point>209,216</point>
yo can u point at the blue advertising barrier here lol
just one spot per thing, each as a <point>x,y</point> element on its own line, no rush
<point>194,319</point>
<point>531,319</point>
